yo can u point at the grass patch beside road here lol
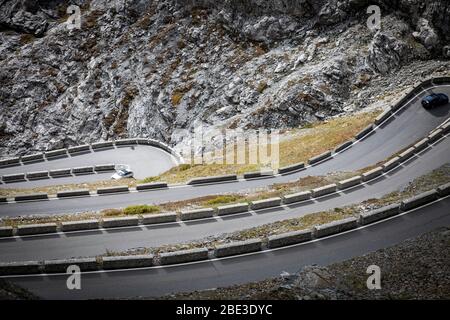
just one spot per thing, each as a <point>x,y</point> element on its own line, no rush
<point>219,200</point>
<point>14,222</point>
<point>296,145</point>
<point>301,145</point>
<point>107,213</point>
<point>187,172</point>
<point>134,210</point>
<point>141,209</point>
<point>52,190</point>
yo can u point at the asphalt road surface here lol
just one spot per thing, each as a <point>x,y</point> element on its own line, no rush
<point>243,269</point>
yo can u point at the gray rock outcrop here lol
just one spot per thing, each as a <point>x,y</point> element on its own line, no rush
<point>150,68</point>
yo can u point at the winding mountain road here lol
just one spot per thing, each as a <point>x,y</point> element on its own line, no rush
<point>407,126</point>
<point>92,243</point>
<point>404,128</point>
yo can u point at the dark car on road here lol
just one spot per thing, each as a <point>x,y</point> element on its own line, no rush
<point>434,100</point>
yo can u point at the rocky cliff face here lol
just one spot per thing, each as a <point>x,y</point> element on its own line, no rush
<point>148,68</point>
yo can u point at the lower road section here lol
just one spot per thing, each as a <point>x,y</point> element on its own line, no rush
<point>236,270</point>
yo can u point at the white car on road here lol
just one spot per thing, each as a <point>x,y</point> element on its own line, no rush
<point>122,174</point>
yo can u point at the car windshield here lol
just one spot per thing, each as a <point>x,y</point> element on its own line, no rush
<point>122,172</point>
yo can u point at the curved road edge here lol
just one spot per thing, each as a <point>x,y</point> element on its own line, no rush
<point>157,281</point>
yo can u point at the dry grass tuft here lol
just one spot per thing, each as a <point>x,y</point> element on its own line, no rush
<point>141,209</point>
<point>322,137</point>
<point>111,212</point>
<point>52,190</point>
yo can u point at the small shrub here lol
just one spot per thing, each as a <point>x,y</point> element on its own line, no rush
<point>184,167</point>
<point>149,179</point>
<point>221,200</point>
<point>176,97</point>
<point>111,212</point>
<point>262,86</point>
<point>140,209</point>
<point>179,93</point>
